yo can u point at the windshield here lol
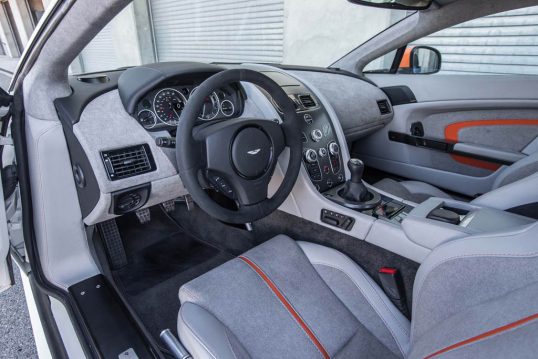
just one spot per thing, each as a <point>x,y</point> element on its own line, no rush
<point>292,32</point>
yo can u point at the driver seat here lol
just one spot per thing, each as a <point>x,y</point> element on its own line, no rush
<point>473,298</point>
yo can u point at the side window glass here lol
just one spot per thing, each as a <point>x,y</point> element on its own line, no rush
<point>500,44</point>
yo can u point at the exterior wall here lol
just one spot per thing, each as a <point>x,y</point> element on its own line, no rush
<point>23,19</point>
<point>505,43</point>
<point>22,22</point>
<point>312,29</point>
<point>283,31</point>
<point>123,42</point>
<point>9,44</point>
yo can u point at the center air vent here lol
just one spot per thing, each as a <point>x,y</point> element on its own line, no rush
<point>384,107</point>
<point>128,162</point>
<point>307,101</point>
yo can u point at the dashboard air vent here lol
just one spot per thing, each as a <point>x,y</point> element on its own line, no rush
<point>307,101</point>
<point>384,107</point>
<point>128,162</point>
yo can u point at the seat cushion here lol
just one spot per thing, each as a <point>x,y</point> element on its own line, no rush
<point>290,300</point>
<point>413,191</point>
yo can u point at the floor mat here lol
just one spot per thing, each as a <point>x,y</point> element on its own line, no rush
<point>173,256</point>
<point>161,258</point>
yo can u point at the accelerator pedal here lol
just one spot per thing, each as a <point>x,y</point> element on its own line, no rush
<point>113,244</point>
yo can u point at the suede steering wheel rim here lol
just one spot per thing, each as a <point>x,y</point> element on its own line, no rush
<point>242,153</point>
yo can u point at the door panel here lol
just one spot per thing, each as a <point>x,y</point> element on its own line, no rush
<point>478,125</point>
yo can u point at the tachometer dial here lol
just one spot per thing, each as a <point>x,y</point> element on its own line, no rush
<point>168,105</point>
<point>211,107</point>
<point>147,119</point>
<point>227,108</point>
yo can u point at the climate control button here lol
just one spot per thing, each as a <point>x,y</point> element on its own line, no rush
<point>316,135</point>
<point>334,149</point>
<point>310,156</point>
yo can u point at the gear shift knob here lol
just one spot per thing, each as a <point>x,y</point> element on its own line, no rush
<point>356,167</point>
<point>354,190</point>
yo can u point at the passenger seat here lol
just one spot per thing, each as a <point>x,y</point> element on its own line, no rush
<point>418,192</point>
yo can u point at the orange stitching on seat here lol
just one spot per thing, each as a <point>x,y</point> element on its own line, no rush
<point>287,305</point>
<point>485,335</point>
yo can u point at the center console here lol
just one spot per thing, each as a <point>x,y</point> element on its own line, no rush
<point>438,220</point>
<point>322,153</point>
<point>355,195</point>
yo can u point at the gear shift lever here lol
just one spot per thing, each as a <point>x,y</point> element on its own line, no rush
<point>355,190</point>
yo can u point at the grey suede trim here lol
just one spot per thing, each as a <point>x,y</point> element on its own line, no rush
<point>369,302</point>
<point>278,299</point>
<point>479,319</point>
<point>463,351</point>
<point>495,252</point>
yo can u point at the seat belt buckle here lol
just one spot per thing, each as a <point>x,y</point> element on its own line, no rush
<point>392,284</point>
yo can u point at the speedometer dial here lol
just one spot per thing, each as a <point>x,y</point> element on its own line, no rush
<point>168,105</point>
<point>211,107</point>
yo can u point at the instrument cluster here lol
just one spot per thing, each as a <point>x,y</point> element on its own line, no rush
<point>161,108</point>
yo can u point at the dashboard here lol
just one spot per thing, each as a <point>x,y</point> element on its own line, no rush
<point>113,123</point>
<point>161,108</point>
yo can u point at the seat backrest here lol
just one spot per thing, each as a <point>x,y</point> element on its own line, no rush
<point>476,297</point>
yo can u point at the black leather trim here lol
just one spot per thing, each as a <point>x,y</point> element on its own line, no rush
<point>135,82</point>
<point>440,145</point>
<point>328,70</point>
<point>528,210</point>
<point>70,108</point>
<point>399,95</point>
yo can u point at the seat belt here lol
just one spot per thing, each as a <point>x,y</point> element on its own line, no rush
<point>392,284</point>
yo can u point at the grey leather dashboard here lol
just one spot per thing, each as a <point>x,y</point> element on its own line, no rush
<point>354,101</point>
<point>105,125</point>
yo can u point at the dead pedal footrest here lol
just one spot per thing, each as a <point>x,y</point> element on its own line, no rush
<point>113,244</point>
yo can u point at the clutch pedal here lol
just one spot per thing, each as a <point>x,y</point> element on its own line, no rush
<point>114,245</point>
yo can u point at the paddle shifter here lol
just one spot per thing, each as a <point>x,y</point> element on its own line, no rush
<point>354,190</point>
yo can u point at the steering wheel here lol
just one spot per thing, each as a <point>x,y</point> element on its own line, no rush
<point>237,156</point>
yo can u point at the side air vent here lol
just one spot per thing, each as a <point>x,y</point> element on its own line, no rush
<point>307,101</point>
<point>128,162</point>
<point>384,107</point>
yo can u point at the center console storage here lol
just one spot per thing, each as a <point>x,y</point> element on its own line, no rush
<point>413,231</point>
<point>438,220</point>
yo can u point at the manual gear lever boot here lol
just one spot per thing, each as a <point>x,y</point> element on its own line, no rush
<point>354,189</point>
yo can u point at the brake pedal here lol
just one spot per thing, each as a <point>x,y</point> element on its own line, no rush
<point>143,215</point>
<point>169,206</point>
<point>114,245</point>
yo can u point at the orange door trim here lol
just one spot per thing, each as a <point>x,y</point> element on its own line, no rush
<point>452,134</point>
